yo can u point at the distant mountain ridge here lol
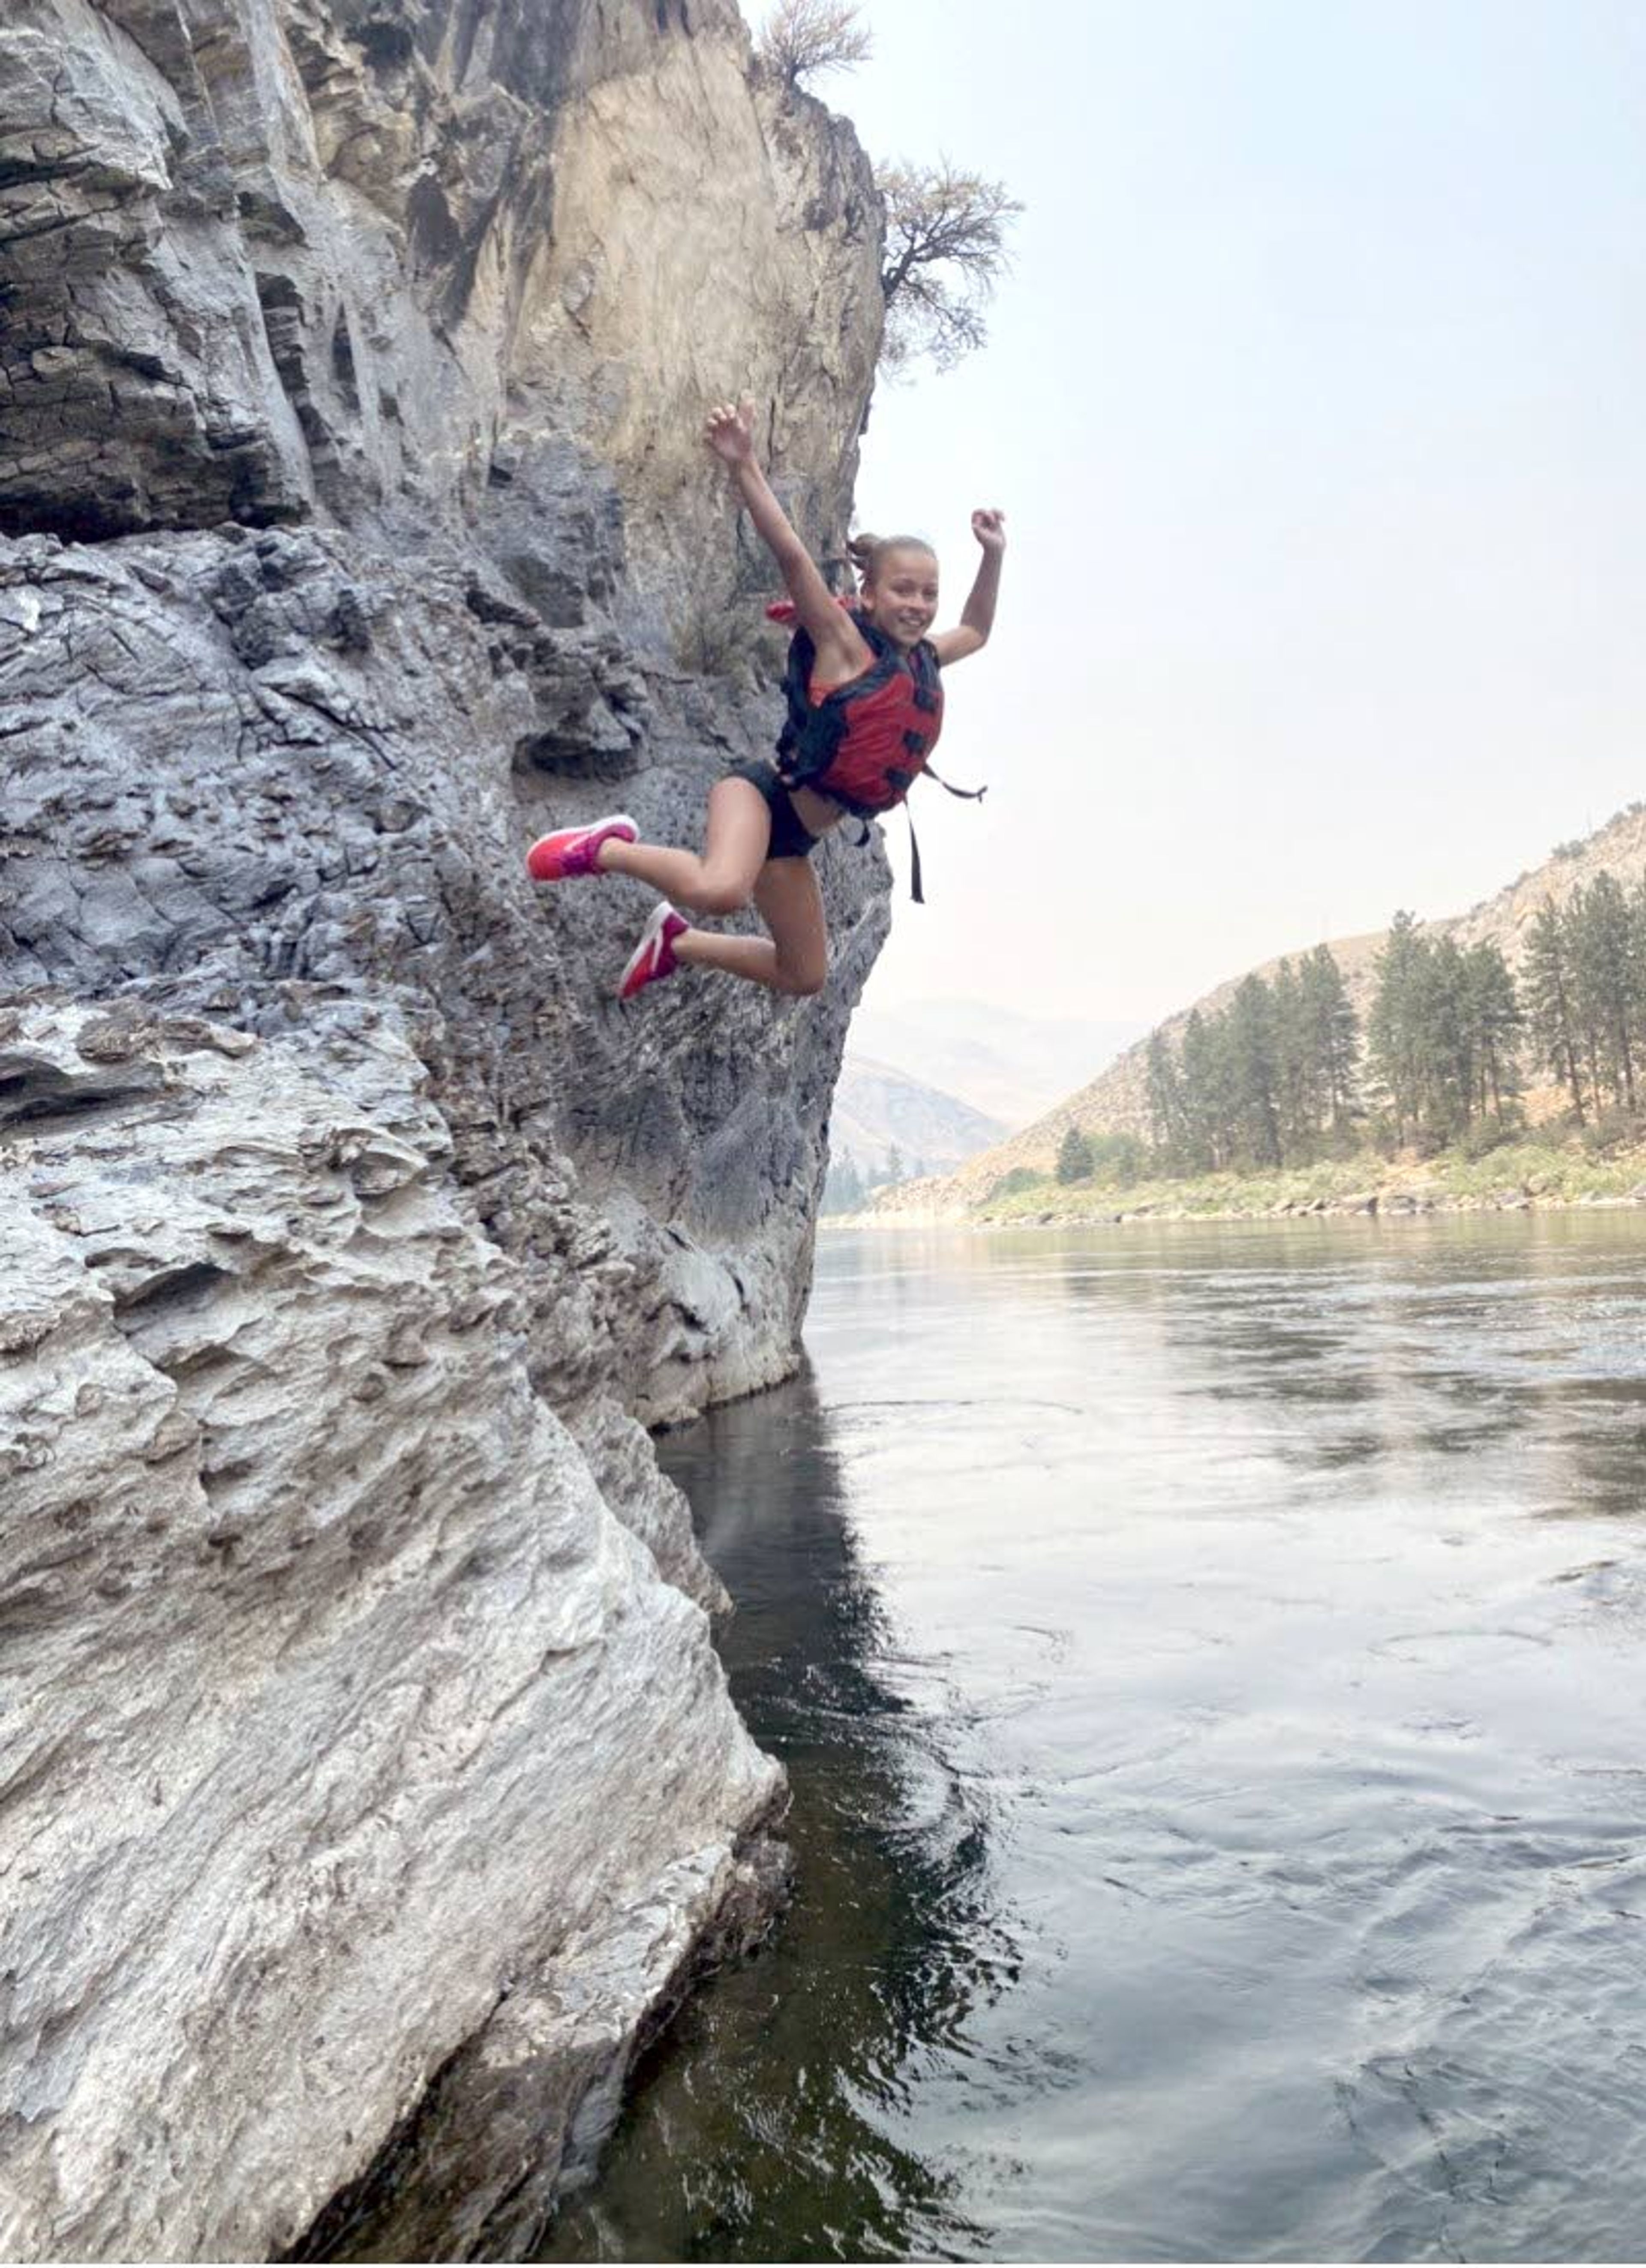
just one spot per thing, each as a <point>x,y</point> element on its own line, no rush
<point>878,1109</point>
<point>1006,1065</point>
<point>1115,1101</point>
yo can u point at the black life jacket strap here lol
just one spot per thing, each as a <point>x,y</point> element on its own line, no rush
<point>968,794</point>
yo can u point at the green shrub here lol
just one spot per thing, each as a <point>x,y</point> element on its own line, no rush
<point>1613,1130</point>
<point>1491,1134</point>
<point>1074,1157</point>
<point>1120,1157</point>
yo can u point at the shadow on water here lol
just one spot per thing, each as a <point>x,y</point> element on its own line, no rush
<point>772,2121</point>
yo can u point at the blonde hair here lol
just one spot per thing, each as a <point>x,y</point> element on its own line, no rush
<point>867,551</point>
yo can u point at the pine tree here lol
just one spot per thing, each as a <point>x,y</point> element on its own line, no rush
<point>842,1186</point>
<point>1250,1026</point>
<point>1200,1072</point>
<point>1603,956</point>
<point>1446,1044</point>
<point>1549,985</point>
<point>1074,1157</point>
<point>1496,1020</point>
<point>1637,969</point>
<point>1163,1084</point>
<point>1333,1032</point>
<point>1393,1030</point>
<point>1296,1089</point>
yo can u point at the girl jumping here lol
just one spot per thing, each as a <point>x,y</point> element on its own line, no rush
<point>865,710</point>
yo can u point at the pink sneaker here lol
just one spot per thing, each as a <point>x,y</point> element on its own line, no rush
<point>654,955</point>
<point>573,850</point>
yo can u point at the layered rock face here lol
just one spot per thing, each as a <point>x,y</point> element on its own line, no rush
<point>373,1778</point>
<point>267,257</point>
<point>354,1723</point>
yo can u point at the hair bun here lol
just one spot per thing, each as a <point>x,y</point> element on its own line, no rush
<point>866,551</point>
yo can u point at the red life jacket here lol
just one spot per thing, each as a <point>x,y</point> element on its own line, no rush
<point>866,742</point>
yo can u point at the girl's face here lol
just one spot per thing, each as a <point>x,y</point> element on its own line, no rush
<point>902,600</point>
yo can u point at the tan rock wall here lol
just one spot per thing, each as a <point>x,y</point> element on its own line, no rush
<point>630,330</point>
<point>270,259</point>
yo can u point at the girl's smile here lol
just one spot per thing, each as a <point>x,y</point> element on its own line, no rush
<point>903,598</point>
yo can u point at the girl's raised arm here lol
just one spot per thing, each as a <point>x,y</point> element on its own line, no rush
<point>840,648</point>
<point>977,615</point>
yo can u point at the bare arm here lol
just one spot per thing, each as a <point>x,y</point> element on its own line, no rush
<point>977,615</point>
<point>841,651</point>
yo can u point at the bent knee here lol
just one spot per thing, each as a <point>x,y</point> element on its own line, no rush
<point>713,897</point>
<point>804,981</point>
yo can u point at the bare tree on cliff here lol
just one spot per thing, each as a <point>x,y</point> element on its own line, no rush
<point>803,39</point>
<point>945,251</point>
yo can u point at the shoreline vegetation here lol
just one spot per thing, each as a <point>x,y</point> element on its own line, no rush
<point>1440,1079</point>
<point>1518,1176</point>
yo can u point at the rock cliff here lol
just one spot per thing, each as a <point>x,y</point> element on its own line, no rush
<point>374,1785</point>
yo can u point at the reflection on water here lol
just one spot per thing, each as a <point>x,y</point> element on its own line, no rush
<point>1209,1664</point>
<point>775,2119</point>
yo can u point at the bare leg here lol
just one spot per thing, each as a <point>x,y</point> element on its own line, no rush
<point>734,850</point>
<point>795,958</point>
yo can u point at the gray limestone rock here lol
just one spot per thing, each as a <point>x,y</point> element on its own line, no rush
<point>275,260</point>
<point>377,1787</point>
<point>332,1679</point>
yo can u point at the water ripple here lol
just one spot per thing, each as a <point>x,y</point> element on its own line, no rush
<point>1220,1806</point>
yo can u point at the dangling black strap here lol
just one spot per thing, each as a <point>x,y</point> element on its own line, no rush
<point>913,860</point>
<point>970,794</point>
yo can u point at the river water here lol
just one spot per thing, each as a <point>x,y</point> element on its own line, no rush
<point>1209,1664</point>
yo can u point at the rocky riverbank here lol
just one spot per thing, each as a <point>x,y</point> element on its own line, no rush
<point>1515,1177</point>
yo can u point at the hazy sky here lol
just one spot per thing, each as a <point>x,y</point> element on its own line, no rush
<point>1317,403</point>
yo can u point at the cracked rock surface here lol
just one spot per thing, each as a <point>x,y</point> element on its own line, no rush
<point>372,1787</point>
<point>369,259</point>
<point>331,1676</point>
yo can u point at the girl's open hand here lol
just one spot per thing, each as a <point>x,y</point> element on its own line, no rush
<point>729,433</point>
<point>989,528</point>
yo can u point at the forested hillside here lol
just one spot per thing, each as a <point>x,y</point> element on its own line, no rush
<point>1529,1008</point>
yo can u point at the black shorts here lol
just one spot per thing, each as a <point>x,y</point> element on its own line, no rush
<point>789,839</point>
